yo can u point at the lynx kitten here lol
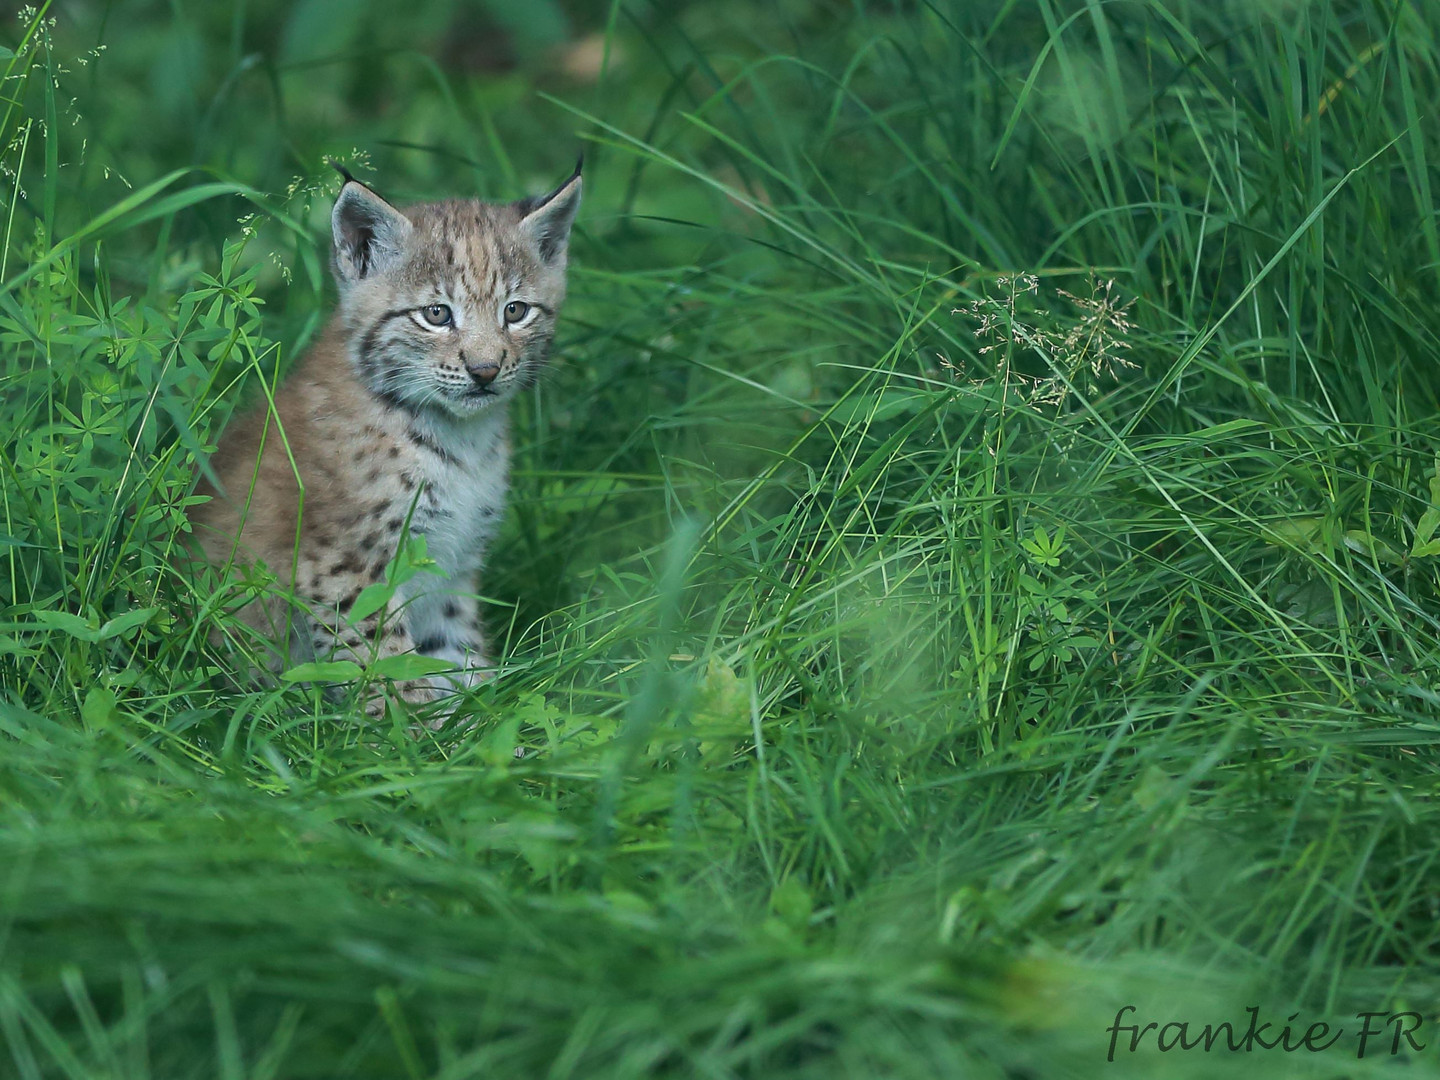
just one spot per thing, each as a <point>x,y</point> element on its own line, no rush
<point>397,415</point>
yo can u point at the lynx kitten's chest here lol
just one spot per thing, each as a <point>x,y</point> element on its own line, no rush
<point>464,474</point>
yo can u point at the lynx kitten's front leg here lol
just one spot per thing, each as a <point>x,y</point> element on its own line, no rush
<point>373,638</point>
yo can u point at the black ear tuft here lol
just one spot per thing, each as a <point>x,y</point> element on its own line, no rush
<point>369,233</point>
<point>342,170</point>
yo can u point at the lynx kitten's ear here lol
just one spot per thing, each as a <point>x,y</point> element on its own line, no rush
<point>548,218</point>
<point>369,232</point>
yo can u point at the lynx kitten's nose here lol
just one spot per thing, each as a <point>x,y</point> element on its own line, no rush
<point>483,374</point>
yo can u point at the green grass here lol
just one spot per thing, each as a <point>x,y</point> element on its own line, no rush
<point>914,661</point>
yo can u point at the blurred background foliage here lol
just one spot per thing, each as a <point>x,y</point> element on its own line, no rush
<point>971,567</point>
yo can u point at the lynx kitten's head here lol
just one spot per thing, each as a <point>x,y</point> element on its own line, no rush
<point>450,306</point>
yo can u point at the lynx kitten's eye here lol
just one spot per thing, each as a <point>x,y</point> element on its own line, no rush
<point>437,315</point>
<point>516,310</point>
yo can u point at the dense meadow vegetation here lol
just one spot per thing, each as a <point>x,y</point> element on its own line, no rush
<point>972,566</point>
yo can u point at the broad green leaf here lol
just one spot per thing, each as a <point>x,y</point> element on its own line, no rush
<point>1425,529</point>
<point>371,599</point>
<point>1363,542</point>
<point>100,708</point>
<point>129,621</point>
<point>324,671</point>
<point>1030,584</point>
<point>68,623</point>
<point>409,666</point>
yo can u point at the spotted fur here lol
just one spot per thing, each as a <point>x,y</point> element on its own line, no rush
<point>396,420</point>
